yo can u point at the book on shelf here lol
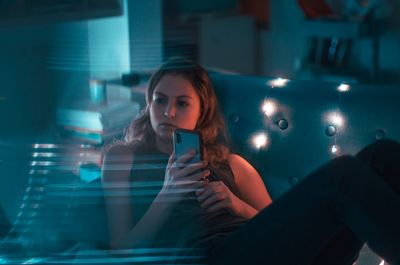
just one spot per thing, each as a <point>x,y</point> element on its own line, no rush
<point>96,123</point>
<point>91,136</point>
<point>96,117</point>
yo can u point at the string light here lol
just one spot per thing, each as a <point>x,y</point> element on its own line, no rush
<point>343,87</point>
<point>269,108</point>
<point>335,118</point>
<point>259,140</point>
<point>335,149</point>
<point>278,82</point>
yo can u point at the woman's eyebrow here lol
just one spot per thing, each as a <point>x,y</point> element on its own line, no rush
<point>184,96</point>
<point>160,94</point>
<point>180,97</point>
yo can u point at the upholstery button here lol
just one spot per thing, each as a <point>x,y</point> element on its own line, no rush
<point>283,124</point>
<point>234,118</point>
<point>330,130</point>
<point>380,134</point>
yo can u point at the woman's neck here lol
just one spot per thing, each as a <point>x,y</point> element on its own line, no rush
<point>164,146</point>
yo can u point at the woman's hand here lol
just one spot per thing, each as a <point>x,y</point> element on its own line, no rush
<point>216,196</point>
<point>182,177</point>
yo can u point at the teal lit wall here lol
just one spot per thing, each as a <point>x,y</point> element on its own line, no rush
<point>42,64</point>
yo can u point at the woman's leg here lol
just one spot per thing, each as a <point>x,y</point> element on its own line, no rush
<point>384,156</point>
<point>343,249</point>
<point>381,156</point>
<point>345,192</point>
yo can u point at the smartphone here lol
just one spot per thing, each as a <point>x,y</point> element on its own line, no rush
<point>185,140</point>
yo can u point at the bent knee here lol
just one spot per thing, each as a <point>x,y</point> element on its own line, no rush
<point>381,148</point>
<point>348,169</point>
<point>386,145</point>
<point>345,161</point>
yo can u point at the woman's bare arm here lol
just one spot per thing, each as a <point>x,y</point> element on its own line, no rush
<point>116,179</point>
<point>250,184</point>
<point>253,196</point>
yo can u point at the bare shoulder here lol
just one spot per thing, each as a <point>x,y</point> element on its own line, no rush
<point>249,182</point>
<point>117,163</point>
<point>238,162</point>
<point>243,171</point>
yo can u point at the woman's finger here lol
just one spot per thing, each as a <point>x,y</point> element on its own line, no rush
<point>181,165</point>
<point>192,170</point>
<point>183,191</point>
<point>185,158</point>
<point>220,205</point>
<point>204,193</point>
<point>198,176</point>
<point>210,200</point>
<point>186,186</point>
<point>171,160</point>
<point>211,187</point>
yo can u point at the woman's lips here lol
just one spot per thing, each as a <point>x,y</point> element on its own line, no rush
<point>167,126</point>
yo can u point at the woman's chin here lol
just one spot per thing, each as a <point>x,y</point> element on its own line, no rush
<point>165,136</point>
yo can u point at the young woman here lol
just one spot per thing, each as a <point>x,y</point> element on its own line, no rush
<point>205,208</point>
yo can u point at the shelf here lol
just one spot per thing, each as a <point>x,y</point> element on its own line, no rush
<point>340,29</point>
<point>31,12</point>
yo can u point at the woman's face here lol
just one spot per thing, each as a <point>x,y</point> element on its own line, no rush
<point>175,104</point>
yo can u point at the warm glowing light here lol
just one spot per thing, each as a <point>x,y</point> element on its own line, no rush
<point>269,107</point>
<point>382,263</point>
<point>335,118</point>
<point>343,87</point>
<point>279,82</point>
<point>334,149</point>
<point>259,140</point>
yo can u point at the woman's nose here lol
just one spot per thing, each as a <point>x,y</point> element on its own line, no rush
<point>170,111</point>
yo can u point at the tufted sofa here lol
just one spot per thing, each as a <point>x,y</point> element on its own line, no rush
<point>305,125</point>
<point>304,122</point>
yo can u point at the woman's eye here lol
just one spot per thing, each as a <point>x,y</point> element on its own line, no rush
<point>160,101</point>
<point>182,104</point>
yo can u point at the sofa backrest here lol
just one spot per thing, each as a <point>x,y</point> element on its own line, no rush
<point>306,122</point>
<point>299,140</point>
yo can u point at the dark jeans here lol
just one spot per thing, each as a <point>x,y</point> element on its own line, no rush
<point>327,217</point>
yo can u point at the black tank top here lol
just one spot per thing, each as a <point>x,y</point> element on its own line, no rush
<point>189,226</point>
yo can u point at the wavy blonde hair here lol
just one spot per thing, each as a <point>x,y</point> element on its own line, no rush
<point>211,124</point>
